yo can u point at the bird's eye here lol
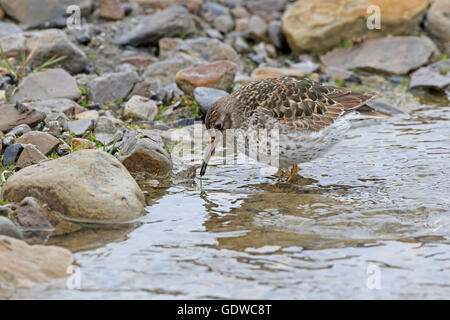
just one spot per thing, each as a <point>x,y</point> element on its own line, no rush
<point>218,126</point>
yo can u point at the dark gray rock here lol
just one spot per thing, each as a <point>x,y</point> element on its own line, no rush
<point>111,87</point>
<point>183,122</point>
<point>436,76</point>
<point>170,22</point>
<point>11,154</point>
<point>206,97</point>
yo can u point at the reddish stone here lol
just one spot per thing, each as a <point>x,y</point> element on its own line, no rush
<point>219,75</point>
<point>10,116</point>
<point>111,9</point>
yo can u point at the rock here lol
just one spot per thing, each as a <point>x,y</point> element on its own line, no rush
<point>53,108</point>
<point>11,154</point>
<point>108,130</point>
<point>80,127</point>
<point>84,186</point>
<point>2,13</point>
<point>140,108</point>
<point>193,5</point>
<point>240,12</point>
<point>382,106</point>
<point>219,75</point>
<point>436,76</point>
<point>209,10</point>
<point>164,72</point>
<point>82,144</point>
<point>315,26</point>
<point>170,22</point>
<point>23,266</point>
<point>91,114</point>
<point>269,9</point>
<point>223,23</point>
<point>306,66</point>
<point>206,97</point>
<point>213,33</point>
<point>183,122</point>
<point>7,228</point>
<point>167,46</point>
<point>49,84</point>
<point>33,13</point>
<point>269,72</point>
<point>145,155</point>
<point>137,61</point>
<point>19,130</point>
<point>239,44</point>
<point>30,216</point>
<point>258,28</point>
<point>391,55</point>
<point>346,75</point>
<point>14,115</point>
<point>437,22</point>
<point>30,155</point>
<point>44,142</point>
<point>276,36</point>
<point>46,44</point>
<point>111,10</point>
<point>7,29</point>
<point>111,87</point>
<point>53,128</point>
<point>208,49</point>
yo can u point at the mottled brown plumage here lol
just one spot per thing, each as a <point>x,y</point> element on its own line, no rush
<point>304,104</point>
<point>298,108</point>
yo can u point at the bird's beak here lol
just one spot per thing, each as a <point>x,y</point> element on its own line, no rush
<point>209,152</point>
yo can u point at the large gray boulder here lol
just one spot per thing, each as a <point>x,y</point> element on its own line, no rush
<point>87,186</point>
<point>391,55</point>
<point>46,85</point>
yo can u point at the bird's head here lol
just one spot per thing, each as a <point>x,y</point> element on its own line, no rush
<point>219,118</point>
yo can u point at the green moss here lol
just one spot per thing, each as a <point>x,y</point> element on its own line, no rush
<point>444,71</point>
<point>53,156</point>
<point>444,57</point>
<point>161,109</point>
<point>340,82</point>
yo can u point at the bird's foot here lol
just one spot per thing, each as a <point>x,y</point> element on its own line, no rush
<point>295,169</point>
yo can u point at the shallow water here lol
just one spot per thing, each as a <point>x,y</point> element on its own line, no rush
<point>371,219</point>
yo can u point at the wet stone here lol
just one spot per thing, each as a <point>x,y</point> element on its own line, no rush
<point>7,228</point>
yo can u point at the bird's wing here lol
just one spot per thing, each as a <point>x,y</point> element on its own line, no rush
<point>304,103</point>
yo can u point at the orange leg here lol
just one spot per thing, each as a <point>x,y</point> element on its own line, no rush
<point>295,169</point>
